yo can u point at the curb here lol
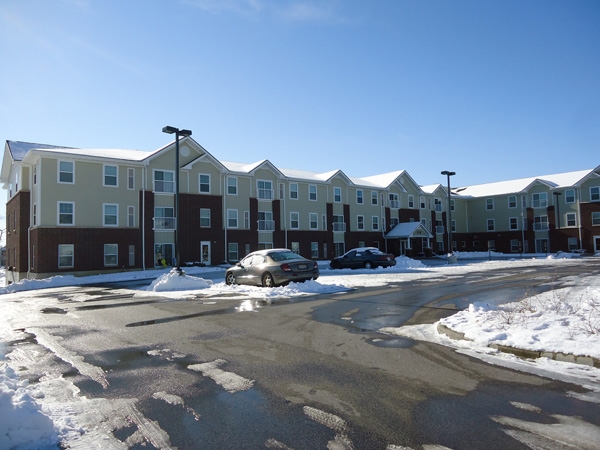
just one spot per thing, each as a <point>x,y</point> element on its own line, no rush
<point>527,354</point>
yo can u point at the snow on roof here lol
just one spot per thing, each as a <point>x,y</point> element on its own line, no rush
<point>383,180</point>
<point>559,180</point>
<point>408,229</point>
<point>19,150</point>
<point>430,189</point>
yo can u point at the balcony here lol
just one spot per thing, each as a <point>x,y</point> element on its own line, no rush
<point>164,223</point>
<point>164,186</point>
<point>266,225</point>
<point>339,226</point>
<point>440,229</point>
<point>394,204</point>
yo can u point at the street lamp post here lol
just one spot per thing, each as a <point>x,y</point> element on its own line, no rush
<point>178,133</point>
<point>449,218</point>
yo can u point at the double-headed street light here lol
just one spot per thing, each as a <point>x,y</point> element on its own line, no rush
<point>178,133</point>
<point>449,214</point>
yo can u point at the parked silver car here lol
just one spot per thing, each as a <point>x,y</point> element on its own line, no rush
<point>272,267</point>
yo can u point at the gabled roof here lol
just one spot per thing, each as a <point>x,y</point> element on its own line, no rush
<point>19,149</point>
<point>250,168</point>
<point>407,230</point>
<point>556,181</point>
<point>430,189</point>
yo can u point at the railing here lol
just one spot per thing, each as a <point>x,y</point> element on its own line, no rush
<point>265,194</point>
<point>164,223</point>
<point>164,186</point>
<point>540,226</point>
<point>394,204</point>
<point>339,226</point>
<point>266,225</point>
<point>440,229</point>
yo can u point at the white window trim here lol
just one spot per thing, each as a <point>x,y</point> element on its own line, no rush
<point>487,224</point>
<point>310,221</point>
<point>209,218</point>
<point>294,191</point>
<point>59,172</point>
<point>360,197</point>
<point>58,214</point>
<point>375,221</point>
<point>130,177</point>
<point>237,219</point>
<point>297,214</point>
<point>358,223</point>
<point>200,191</point>
<point>104,224</point>
<point>130,214</point>
<point>337,189</point>
<point>110,254</point>
<point>235,185</point>
<point>310,193</point>
<point>489,202</point>
<point>154,180</point>
<point>116,185</point>
<point>72,246</point>
<point>598,193</point>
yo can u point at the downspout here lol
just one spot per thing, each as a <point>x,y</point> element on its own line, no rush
<point>143,224</point>
<point>579,214</point>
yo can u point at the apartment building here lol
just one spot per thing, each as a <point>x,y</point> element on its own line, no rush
<point>87,211</point>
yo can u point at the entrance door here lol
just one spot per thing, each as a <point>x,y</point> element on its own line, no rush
<point>541,245</point>
<point>596,244</point>
<point>205,253</point>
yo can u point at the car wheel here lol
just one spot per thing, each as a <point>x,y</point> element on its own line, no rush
<point>368,265</point>
<point>229,279</point>
<point>267,280</point>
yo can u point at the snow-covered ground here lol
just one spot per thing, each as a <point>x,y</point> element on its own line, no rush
<point>565,319</point>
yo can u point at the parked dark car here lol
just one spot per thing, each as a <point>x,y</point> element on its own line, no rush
<point>364,257</point>
<point>272,267</point>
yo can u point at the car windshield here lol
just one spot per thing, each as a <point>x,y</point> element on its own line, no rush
<point>284,256</point>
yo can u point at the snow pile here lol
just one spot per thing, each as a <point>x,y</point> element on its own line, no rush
<point>24,426</point>
<point>565,320</point>
<point>175,281</point>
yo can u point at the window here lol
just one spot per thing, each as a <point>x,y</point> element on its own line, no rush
<point>131,216</point>
<point>360,223</point>
<point>66,256</point>
<point>595,194</point>
<point>422,202</point>
<point>439,227</point>
<point>281,191</point>
<point>512,201</point>
<point>411,201</point>
<point>375,223</point>
<point>394,201</point>
<point>110,217</point>
<point>294,220</point>
<point>111,254</point>
<point>523,201</point>
<point>596,218</point>
<point>393,222</point>
<point>204,217</point>
<point>247,222</point>
<point>573,243</point>
<point>295,248</point>
<point>35,174</point>
<point>491,224</point>
<point>438,204</point>
<point>324,222</point>
<point>312,192</point>
<point>313,220</point>
<point>513,223</point>
<point>232,218</point>
<point>232,252</point>
<point>374,198</point>
<point>570,196</point>
<point>131,255</point>
<point>110,176</point>
<point>66,213</point>
<point>337,195</point>
<point>163,181</point>
<point>265,221</point>
<point>232,185</point>
<point>294,191</point>
<point>66,172</point>
<point>314,250</point>
<point>360,197</point>
<point>130,178</point>
<point>34,214</point>
<point>540,223</point>
<point>489,204</point>
<point>164,218</point>
<point>204,183</point>
<point>265,190</point>
<point>539,200</point>
<point>571,219</point>
<point>452,205</point>
<point>514,246</point>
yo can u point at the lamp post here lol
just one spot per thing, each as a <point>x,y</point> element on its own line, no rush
<point>178,133</point>
<point>449,218</point>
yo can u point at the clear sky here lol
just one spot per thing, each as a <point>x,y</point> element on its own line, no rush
<point>492,90</point>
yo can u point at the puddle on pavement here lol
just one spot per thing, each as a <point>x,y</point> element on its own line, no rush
<point>392,343</point>
<point>52,310</point>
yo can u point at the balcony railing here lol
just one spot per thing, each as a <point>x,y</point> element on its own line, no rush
<point>265,194</point>
<point>339,226</point>
<point>164,186</point>
<point>266,225</point>
<point>394,204</point>
<point>540,226</point>
<point>440,229</point>
<point>164,223</point>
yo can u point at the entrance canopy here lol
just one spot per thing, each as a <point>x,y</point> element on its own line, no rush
<point>408,230</point>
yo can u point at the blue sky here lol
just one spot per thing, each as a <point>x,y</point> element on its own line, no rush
<point>492,90</point>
